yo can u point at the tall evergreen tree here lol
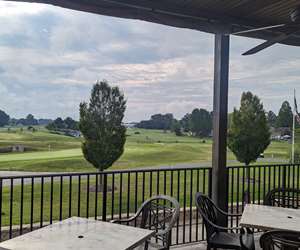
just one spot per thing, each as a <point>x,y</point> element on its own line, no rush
<point>101,125</point>
<point>186,122</point>
<point>285,116</point>
<point>201,122</point>
<point>249,133</point>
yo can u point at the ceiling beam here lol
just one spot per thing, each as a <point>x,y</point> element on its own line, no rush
<point>131,11</point>
<point>182,11</point>
<point>119,8</point>
<point>169,14</point>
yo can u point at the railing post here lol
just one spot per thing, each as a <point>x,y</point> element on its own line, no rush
<point>1,209</point>
<point>104,196</point>
<point>284,185</point>
<point>283,181</point>
<point>210,183</point>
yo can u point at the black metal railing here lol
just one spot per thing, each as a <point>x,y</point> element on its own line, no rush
<point>33,201</point>
<point>251,184</point>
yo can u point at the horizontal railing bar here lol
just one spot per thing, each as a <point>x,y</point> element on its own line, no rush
<point>142,170</point>
<point>263,165</point>
<point>136,170</point>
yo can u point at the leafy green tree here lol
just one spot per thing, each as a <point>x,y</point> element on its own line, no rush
<point>30,120</point>
<point>271,118</point>
<point>285,116</point>
<point>186,122</point>
<point>176,128</point>
<point>249,133</point>
<point>229,118</point>
<point>59,123</point>
<point>101,125</point>
<point>4,118</point>
<point>157,121</point>
<point>201,122</point>
<point>70,123</point>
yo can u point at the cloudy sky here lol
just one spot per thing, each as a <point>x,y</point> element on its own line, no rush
<point>50,57</point>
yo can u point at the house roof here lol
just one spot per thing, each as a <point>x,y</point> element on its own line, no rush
<point>203,15</point>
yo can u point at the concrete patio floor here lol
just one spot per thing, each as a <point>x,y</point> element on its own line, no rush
<point>202,245</point>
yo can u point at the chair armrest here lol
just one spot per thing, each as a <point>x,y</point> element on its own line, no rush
<point>226,213</point>
<point>228,228</point>
<point>220,228</point>
<point>120,221</point>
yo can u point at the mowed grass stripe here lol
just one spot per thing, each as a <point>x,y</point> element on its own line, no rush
<point>143,148</point>
<point>41,155</point>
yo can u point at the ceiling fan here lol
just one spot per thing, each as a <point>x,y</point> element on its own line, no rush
<point>291,28</point>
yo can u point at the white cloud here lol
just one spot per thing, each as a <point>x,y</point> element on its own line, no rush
<point>51,57</point>
<point>8,9</point>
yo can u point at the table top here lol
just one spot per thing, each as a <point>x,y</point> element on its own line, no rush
<point>269,218</point>
<point>79,233</point>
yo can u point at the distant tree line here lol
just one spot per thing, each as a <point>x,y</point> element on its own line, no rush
<point>198,123</point>
<point>60,124</point>
<point>29,120</point>
<point>158,121</point>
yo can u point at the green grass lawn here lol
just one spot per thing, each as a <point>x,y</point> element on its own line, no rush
<point>129,193</point>
<point>121,196</point>
<point>143,148</point>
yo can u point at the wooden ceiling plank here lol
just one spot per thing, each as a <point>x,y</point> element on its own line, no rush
<point>251,6</point>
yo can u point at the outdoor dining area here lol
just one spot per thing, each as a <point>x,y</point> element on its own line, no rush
<point>276,223</point>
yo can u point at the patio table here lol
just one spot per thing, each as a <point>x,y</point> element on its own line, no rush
<point>78,233</point>
<point>269,218</point>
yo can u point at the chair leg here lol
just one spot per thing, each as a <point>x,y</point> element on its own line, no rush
<point>146,245</point>
<point>208,247</point>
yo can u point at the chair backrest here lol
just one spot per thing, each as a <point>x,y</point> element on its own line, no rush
<point>278,239</point>
<point>283,197</point>
<point>159,213</point>
<point>209,213</point>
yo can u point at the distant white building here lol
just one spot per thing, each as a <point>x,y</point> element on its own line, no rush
<point>18,148</point>
<point>74,133</point>
<point>130,124</point>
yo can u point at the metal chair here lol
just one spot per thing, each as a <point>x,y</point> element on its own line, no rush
<point>218,236</point>
<point>281,240</point>
<point>283,197</point>
<point>158,213</point>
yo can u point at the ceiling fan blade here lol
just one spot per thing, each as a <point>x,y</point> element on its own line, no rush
<point>270,42</point>
<point>258,29</point>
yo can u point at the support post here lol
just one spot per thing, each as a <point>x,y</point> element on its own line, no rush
<point>219,170</point>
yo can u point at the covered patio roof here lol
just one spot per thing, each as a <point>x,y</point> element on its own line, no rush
<point>203,15</point>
